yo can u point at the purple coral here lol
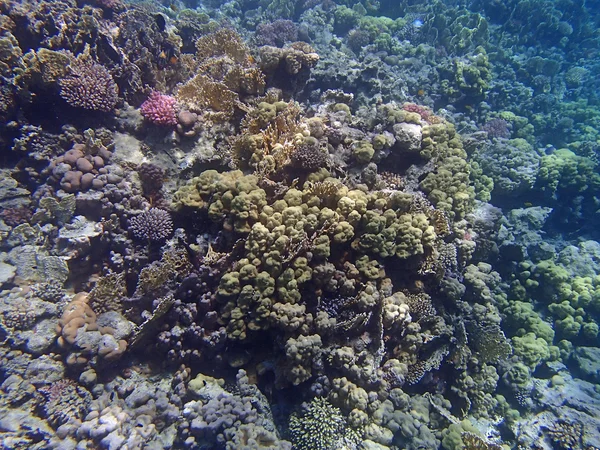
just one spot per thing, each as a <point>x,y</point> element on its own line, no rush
<point>152,177</point>
<point>309,157</point>
<point>89,86</point>
<point>160,109</point>
<point>276,33</point>
<point>153,225</point>
<point>109,4</point>
<point>497,128</point>
<point>422,111</point>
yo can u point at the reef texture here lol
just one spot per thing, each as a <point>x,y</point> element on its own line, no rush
<point>299,225</point>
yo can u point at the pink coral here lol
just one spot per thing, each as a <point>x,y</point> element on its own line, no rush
<point>423,111</point>
<point>160,109</point>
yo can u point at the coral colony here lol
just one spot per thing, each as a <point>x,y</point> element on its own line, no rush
<point>309,225</point>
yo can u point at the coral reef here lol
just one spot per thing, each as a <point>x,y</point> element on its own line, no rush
<point>311,225</point>
<point>153,225</point>
<point>159,109</point>
<point>89,86</point>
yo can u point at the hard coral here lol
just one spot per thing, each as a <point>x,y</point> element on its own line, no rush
<point>16,215</point>
<point>422,111</point>
<point>160,109</point>
<point>152,177</point>
<point>65,401</point>
<point>321,426</point>
<point>276,33</point>
<point>109,4</point>
<point>76,315</point>
<point>497,128</point>
<point>89,86</point>
<point>308,157</point>
<point>154,225</point>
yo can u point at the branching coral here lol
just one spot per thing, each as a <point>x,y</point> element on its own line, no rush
<point>152,225</point>
<point>320,427</point>
<point>89,85</point>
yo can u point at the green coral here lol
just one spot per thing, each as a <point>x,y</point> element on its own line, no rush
<point>363,151</point>
<point>521,318</point>
<point>567,171</point>
<point>449,187</point>
<point>320,427</point>
<point>452,436</point>
<point>531,349</point>
<point>231,196</point>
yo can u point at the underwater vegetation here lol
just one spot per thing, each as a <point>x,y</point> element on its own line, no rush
<point>302,225</point>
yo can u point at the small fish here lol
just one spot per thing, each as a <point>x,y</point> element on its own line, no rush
<point>528,204</point>
<point>417,23</point>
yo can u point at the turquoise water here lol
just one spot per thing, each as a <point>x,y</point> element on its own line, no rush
<point>308,225</point>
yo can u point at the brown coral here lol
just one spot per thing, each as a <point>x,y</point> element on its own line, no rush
<point>566,435</point>
<point>473,442</point>
<point>225,71</point>
<point>77,315</point>
<point>294,58</point>
<point>269,148</point>
<point>108,292</point>
<point>223,42</point>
